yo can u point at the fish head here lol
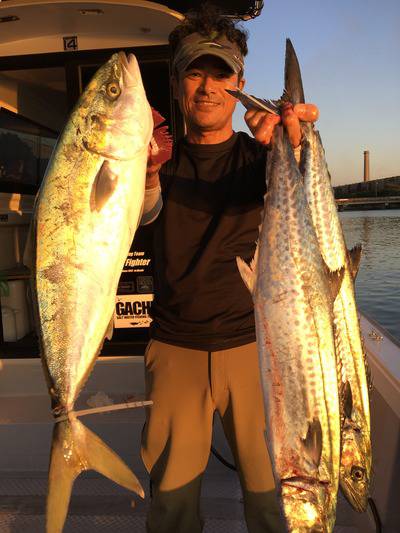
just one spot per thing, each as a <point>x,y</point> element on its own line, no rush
<point>306,505</point>
<point>115,118</point>
<point>355,466</point>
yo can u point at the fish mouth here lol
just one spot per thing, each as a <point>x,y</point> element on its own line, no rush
<point>130,69</point>
<point>301,481</point>
<point>357,499</point>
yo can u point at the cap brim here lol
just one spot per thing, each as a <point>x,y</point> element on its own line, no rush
<point>221,55</point>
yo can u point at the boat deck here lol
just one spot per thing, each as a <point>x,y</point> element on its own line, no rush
<point>100,506</point>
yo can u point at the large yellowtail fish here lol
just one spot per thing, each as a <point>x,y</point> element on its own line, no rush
<point>86,215</point>
<point>293,295</point>
<point>356,457</point>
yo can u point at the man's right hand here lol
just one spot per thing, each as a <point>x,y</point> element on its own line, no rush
<point>262,124</point>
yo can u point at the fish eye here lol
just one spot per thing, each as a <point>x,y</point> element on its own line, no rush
<point>357,473</point>
<point>113,89</point>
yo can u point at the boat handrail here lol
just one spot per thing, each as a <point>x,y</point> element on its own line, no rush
<point>383,355</point>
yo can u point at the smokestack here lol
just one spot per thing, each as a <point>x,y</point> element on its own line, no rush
<point>366,165</point>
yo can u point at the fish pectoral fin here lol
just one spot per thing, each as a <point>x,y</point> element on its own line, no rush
<point>248,272</point>
<point>346,397</point>
<point>335,280</point>
<point>75,449</point>
<point>354,259</point>
<point>312,442</point>
<point>103,187</point>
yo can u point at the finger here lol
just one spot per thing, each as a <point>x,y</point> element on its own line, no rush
<point>253,118</point>
<point>306,112</point>
<point>292,124</point>
<point>152,168</point>
<point>265,128</point>
<point>250,113</point>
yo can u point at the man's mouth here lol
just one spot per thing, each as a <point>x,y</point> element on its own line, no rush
<point>206,103</point>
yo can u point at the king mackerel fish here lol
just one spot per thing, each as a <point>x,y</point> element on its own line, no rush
<point>86,215</point>
<point>352,370</point>
<point>294,292</point>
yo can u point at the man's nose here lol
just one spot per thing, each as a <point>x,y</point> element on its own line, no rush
<point>207,84</point>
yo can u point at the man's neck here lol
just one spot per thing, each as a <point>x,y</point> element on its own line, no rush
<point>208,137</point>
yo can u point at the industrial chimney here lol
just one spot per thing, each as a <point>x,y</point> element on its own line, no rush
<point>366,165</point>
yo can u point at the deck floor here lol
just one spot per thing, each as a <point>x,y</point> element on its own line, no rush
<point>100,506</point>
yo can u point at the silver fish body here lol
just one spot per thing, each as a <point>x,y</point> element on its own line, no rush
<point>293,298</point>
<point>356,457</point>
<point>86,214</point>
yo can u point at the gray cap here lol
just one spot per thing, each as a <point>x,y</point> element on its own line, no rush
<point>196,45</point>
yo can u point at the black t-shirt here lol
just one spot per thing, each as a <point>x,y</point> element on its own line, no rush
<point>213,198</point>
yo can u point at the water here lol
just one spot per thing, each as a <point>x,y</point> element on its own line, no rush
<point>378,280</point>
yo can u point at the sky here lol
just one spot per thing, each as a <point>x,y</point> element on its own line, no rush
<point>349,54</point>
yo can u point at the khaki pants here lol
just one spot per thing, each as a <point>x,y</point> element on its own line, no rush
<point>187,386</point>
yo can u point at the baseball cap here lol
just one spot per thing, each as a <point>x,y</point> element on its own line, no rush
<point>195,45</point>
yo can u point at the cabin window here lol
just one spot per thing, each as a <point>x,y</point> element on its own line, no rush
<point>25,150</point>
<point>33,108</point>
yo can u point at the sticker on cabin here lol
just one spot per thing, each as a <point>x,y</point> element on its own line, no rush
<point>132,310</point>
<point>70,43</point>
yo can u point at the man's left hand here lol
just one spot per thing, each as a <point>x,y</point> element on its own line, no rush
<point>262,124</point>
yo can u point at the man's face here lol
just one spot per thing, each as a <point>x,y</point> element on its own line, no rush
<point>201,93</point>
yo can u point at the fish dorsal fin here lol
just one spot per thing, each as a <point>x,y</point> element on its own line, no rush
<point>110,329</point>
<point>346,398</point>
<point>248,272</point>
<point>313,441</point>
<point>354,259</point>
<point>335,278</point>
<point>103,187</point>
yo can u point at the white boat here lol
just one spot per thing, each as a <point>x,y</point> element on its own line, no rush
<point>33,34</point>
<point>25,436</point>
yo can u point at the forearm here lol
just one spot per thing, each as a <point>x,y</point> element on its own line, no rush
<point>152,203</point>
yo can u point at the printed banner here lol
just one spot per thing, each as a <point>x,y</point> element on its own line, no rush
<point>132,310</point>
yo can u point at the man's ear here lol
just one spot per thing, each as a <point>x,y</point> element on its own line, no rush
<point>242,83</point>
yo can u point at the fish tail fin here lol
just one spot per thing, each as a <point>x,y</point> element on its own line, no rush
<point>75,449</point>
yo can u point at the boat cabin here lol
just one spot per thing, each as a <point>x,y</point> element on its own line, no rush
<point>48,53</point>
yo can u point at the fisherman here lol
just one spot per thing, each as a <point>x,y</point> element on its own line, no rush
<point>202,356</point>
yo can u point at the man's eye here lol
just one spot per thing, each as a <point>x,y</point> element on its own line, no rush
<point>193,74</point>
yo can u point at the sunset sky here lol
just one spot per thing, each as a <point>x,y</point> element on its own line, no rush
<point>349,53</point>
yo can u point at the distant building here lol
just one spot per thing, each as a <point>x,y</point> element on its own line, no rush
<point>374,188</point>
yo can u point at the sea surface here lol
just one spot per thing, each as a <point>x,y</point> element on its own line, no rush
<point>378,280</point>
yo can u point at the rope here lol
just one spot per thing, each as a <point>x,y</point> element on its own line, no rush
<point>103,409</point>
